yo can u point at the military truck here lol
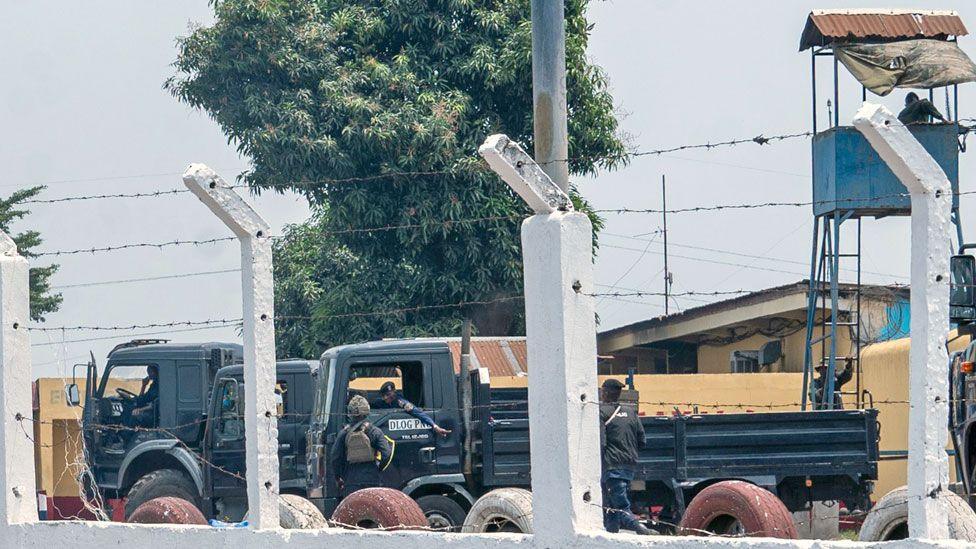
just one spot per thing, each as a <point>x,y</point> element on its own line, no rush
<point>798,456</point>
<point>172,449</point>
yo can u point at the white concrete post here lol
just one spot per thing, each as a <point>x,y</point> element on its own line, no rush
<point>931,196</point>
<point>561,332</point>
<point>260,423</point>
<point>18,503</point>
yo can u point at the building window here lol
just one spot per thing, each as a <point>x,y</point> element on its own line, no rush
<point>744,362</point>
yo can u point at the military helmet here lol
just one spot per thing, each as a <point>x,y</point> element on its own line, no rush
<point>357,407</point>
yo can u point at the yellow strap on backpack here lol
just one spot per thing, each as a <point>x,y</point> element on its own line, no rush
<point>392,451</point>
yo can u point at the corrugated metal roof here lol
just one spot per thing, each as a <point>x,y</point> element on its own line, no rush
<point>503,356</point>
<point>826,26</point>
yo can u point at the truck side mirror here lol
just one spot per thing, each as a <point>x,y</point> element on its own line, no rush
<point>71,395</point>
<point>962,292</point>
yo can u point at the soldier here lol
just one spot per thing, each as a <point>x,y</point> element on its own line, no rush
<point>918,111</point>
<point>360,451</point>
<point>621,435</point>
<point>389,399</point>
<point>841,376</point>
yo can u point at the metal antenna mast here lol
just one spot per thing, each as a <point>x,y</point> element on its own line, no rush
<point>664,214</point>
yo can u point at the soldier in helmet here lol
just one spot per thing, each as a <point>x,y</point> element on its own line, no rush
<point>360,451</point>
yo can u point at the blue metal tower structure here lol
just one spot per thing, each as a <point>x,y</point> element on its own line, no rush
<point>850,183</point>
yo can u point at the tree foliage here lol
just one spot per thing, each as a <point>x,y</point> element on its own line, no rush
<point>374,110</point>
<point>42,299</point>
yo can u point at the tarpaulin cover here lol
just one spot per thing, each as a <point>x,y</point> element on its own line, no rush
<point>906,64</point>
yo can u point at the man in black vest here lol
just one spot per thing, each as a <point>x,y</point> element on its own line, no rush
<point>621,435</point>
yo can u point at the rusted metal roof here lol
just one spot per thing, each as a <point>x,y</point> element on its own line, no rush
<point>828,26</point>
<point>503,356</point>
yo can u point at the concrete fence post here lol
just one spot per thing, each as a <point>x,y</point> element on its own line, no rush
<point>931,197</point>
<point>18,504</point>
<point>260,422</point>
<point>561,332</point>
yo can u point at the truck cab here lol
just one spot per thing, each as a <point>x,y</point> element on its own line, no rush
<point>962,379</point>
<point>127,434</point>
<point>225,489</point>
<point>185,437</point>
<point>423,372</point>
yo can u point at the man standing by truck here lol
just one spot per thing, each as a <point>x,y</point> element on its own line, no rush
<point>360,451</point>
<point>621,435</point>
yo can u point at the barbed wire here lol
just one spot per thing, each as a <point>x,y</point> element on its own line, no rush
<point>158,245</point>
<point>445,223</point>
<point>882,293</point>
<point>174,324</point>
<point>148,194</point>
<point>749,206</point>
<point>759,140</point>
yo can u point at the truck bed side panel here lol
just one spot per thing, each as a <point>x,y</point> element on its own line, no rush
<point>783,444</point>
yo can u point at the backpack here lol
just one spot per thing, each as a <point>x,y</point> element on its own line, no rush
<point>359,449</point>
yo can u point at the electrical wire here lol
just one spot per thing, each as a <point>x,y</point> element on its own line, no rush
<point>144,279</point>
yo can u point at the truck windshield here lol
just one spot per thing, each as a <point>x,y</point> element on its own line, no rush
<point>128,378</point>
<point>323,399</point>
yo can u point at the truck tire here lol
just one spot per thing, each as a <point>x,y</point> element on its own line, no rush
<point>501,510</point>
<point>888,519</point>
<point>167,510</point>
<point>383,508</point>
<point>160,483</point>
<point>298,513</point>
<point>737,508</point>
<point>443,513</point>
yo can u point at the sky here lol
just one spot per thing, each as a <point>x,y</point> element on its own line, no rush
<point>84,112</point>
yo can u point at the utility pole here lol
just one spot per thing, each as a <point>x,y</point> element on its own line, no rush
<point>664,214</point>
<point>549,90</point>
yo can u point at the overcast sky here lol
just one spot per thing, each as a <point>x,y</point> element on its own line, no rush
<point>83,112</point>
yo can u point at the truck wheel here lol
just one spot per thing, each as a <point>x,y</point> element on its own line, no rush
<point>888,519</point>
<point>501,510</point>
<point>737,508</point>
<point>167,510</point>
<point>379,508</point>
<point>297,513</point>
<point>161,483</point>
<point>443,513</point>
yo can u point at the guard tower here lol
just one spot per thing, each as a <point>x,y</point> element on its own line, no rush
<point>883,50</point>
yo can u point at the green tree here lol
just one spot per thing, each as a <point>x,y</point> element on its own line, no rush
<point>42,300</point>
<point>374,110</point>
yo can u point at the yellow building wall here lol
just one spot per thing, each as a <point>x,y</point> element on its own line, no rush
<point>885,376</point>
<point>661,393</point>
<point>715,359</point>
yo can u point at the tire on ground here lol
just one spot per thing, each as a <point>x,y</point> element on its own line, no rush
<point>379,508</point>
<point>443,513</point>
<point>888,519</point>
<point>717,508</point>
<point>298,513</point>
<point>501,510</point>
<point>167,510</point>
<point>161,483</point>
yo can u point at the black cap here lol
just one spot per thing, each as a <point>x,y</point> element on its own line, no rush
<point>387,387</point>
<point>613,384</point>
